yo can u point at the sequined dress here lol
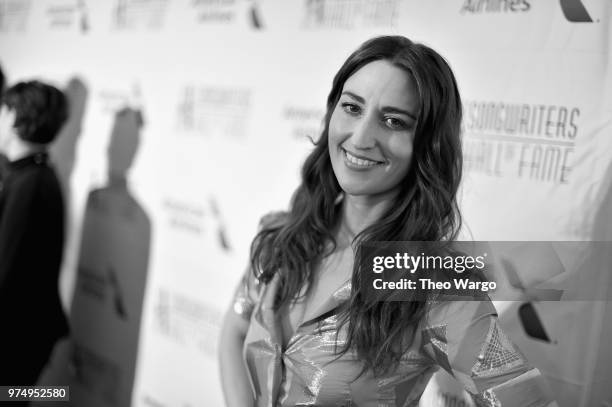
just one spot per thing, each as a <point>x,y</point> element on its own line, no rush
<point>462,337</point>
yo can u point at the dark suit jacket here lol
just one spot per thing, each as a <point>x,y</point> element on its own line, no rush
<point>31,245</point>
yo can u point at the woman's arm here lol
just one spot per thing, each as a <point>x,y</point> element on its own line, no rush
<point>234,378</point>
<point>234,375</point>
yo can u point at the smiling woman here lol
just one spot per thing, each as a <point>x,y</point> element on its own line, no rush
<point>371,131</point>
<point>386,168</point>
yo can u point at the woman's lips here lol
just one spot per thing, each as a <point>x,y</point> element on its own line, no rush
<point>359,162</point>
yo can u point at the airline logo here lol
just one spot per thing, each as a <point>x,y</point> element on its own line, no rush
<point>575,12</point>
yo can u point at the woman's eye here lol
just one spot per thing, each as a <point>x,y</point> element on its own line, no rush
<point>351,108</point>
<point>395,123</point>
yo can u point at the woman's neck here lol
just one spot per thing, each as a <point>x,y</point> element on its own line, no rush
<point>361,211</point>
<point>19,149</point>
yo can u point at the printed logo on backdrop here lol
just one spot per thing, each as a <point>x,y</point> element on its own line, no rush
<point>523,141</point>
<point>134,14</point>
<point>226,12</point>
<point>102,285</point>
<point>347,14</point>
<point>305,122</point>
<point>255,15</point>
<point>113,100</point>
<point>495,6</point>
<point>14,15</point>
<point>73,14</point>
<point>197,220</point>
<point>186,321</point>
<point>573,10</point>
<point>211,111</point>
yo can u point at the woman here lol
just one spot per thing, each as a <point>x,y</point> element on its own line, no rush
<point>386,168</point>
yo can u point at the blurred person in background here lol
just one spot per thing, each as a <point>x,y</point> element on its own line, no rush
<point>387,167</point>
<point>31,231</point>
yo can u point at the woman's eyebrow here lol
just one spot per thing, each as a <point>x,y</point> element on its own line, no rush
<point>354,96</point>
<point>391,109</point>
<point>386,109</point>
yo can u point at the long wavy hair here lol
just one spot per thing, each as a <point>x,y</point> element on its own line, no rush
<point>425,209</point>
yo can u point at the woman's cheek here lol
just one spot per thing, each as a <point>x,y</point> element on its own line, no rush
<point>338,123</point>
<point>400,146</point>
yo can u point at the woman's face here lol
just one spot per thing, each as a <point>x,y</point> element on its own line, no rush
<point>371,130</point>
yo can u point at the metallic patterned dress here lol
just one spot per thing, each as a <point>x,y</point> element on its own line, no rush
<point>461,337</point>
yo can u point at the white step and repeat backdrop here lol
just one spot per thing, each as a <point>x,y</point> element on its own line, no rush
<point>191,118</point>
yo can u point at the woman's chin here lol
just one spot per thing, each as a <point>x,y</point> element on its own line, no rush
<point>368,191</point>
<point>357,190</point>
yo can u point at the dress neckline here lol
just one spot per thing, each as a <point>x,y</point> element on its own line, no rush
<point>267,317</point>
<point>338,297</point>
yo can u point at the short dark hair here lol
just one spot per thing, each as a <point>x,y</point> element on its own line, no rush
<point>40,110</point>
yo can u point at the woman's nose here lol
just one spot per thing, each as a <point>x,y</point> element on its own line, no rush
<point>364,133</point>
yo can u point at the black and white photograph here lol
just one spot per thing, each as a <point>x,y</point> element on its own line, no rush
<point>280,203</point>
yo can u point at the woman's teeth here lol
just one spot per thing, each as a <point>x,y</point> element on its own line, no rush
<point>359,161</point>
